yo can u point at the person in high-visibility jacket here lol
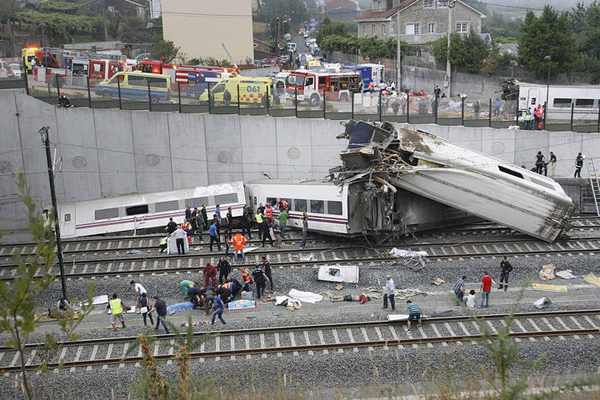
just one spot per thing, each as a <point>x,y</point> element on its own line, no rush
<point>238,242</point>
<point>260,219</point>
<point>246,280</point>
<point>116,308</point>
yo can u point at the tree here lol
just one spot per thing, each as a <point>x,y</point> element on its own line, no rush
<point>8,9</point>
<point>546,35</point>
<point>585,23</point>
<point>467,52</point>
<point>274,12</point>
<point>328,28</point>
<point>19,299</point>
<point>498,25</point>
<point>164,50</point>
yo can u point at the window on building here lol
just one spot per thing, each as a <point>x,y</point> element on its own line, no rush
<point>365,30</point>
<point>106,213</point>
<point>299,205</point>
<point>562,103</point>
<point>428,4</point>
<point>163,206</point>
<point>584,103</point>
<point>383,30</point>
<point>317,206</point>
<point>442,3</point>
<point>373,29</point>
<point>136,210</point>
<point>462,27</point>
<point>227,198</point>
<point>334,207</point>
<point>417,29</point>
<point>431,27</point>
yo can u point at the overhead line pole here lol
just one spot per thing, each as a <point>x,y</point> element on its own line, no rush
<point>45,137</point>
<point>398,55</point>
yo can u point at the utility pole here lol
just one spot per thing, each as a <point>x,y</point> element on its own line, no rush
<point>450,4</point>
<point>398,54</point>
<point>45,137</point>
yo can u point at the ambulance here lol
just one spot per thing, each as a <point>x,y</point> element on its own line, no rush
<point>252,91</point>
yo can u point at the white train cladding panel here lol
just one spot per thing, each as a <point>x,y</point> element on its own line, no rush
<point>147,210</point>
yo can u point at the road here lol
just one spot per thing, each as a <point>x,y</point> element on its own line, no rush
<point>300,44</point>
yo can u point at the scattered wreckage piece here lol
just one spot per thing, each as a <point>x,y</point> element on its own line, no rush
<point>381,157</point>
<point>339,273</point>
<point>415,260</point>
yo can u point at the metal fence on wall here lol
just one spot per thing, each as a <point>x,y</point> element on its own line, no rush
<point>339,105</point>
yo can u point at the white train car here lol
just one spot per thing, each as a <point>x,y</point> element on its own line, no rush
<point>584,100</point>
<point>147,210</point>
<point>353,208</point>
<point>325,203</point>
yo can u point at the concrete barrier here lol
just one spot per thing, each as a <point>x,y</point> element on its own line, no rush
<point>105,152</point>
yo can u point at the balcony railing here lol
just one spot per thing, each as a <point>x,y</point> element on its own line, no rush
<point>422,38</point>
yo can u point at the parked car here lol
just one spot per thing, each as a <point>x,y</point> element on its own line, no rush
<point>271,61</point>
<point>287,37</point>
<point>16,68</point>
<point>6,71</point>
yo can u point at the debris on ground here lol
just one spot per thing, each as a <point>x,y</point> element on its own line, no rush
<point>241,305</point>
<point>288,303</point>
<point>307,297</point>
<point>339,287</point>
<point>172,309</point>
<point>593,279</point>
<point>442,312</point>
<point>247,296</point>
<point>547,272</point>
<point>339,273</point>
<point>327,293</point>
<point>415,260</point>
<point>362,298</point>
<point>135,251</point>
<point>566,274</point>
<point>438,281</point>
<point>542,303</point>
<point>408,293</point>
<point>550,288</point>
<point>195,323</point>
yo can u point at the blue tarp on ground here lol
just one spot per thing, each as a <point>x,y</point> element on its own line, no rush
<point>180,307</point>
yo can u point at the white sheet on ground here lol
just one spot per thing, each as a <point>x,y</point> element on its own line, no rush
<point>408,253</point>
<point>566,274</point>
<point>339,273</point>
<point>397,317</point>
<point>307,297</point>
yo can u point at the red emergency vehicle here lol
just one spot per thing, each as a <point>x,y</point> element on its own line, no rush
<point>312,85</point>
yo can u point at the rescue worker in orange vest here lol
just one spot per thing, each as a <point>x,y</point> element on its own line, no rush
<point>539,117</point>
<point>238,242</point>
<point>246,280</point>
<point>269,212</point>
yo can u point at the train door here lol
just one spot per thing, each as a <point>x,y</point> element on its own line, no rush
<point>533,99</point>
<point>67,220</point>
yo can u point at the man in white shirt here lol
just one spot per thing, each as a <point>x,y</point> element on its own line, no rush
<point>180,236</point>
<point>389,292</point>
<point>138,288</point>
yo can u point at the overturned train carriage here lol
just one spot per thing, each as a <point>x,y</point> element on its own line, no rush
<point>429,167</point>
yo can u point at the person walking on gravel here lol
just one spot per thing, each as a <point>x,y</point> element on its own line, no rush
<point>210,275</point>
<point>505,269</point>
<point>145,308</point>
<point>213,232</point>
<point>414,313</point>
<point>219,307</point>
<point>160,306</point>
<point>389,293</point>
<point>224,269</point>
<point>486,288</point>
<point>459,289</point>
<point>116,308</point>
<point>266,267</point>
<point>138,289</point>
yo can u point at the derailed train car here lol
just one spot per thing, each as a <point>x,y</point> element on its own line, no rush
<point>463,179</point>
<point>354,207</point>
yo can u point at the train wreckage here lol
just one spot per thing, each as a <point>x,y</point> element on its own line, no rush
<point>404,180</point>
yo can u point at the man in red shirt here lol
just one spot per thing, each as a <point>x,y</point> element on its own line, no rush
<point>210,275</point>
<point>486,288</point>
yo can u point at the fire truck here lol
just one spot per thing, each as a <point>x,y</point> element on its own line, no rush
<point>59,67</point>
<point>310,86</point>
<point>190,79</point>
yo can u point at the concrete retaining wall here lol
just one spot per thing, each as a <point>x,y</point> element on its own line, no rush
<point>111,152</point>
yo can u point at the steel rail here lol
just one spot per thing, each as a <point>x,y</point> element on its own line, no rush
<point>310,347</point>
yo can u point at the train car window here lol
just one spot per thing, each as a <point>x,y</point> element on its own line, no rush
<point>510,171</point>
<point>317,206</point>
<point>226,198</point>
<point>271,200</point>
<point>136,210</point>
<point>196,201</point>
<point>300,205</point>
<point>584,103</point>
<point>106,213</point>
<point>68,217</point>
<point>562,103</point>
<point>166,206</point>
<point>254,200</point>
<point>334,207</point>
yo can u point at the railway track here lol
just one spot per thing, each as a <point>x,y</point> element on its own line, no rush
<point>313,339</point>
<point>285,257</point>
<point>113,244</point>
